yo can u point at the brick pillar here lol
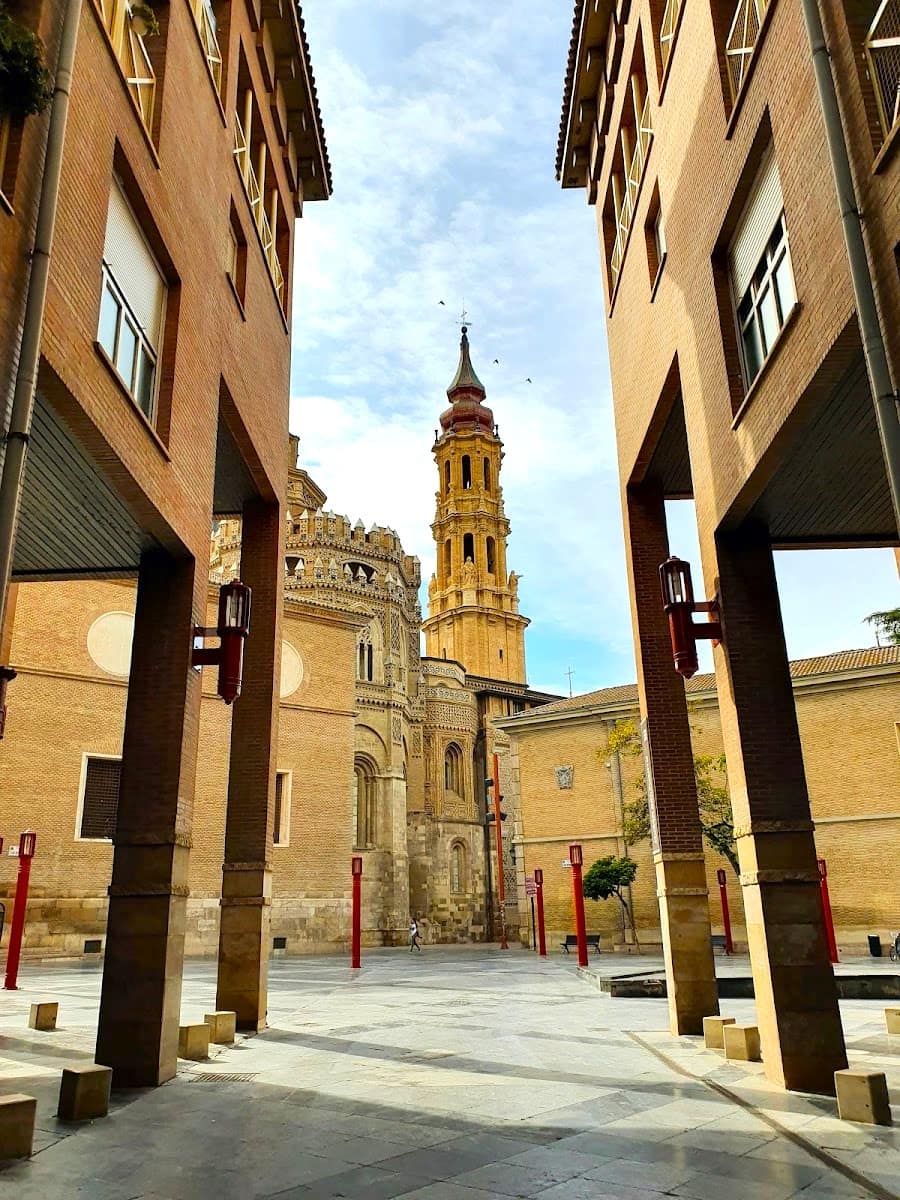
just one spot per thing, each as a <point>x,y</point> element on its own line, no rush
<point>678,845</point>
<point>244,939</point>
<point>796,995</point>
<point>140,1000</point>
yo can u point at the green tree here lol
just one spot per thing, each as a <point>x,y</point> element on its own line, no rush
<point>607,877</point>
<point>713,801</point>
<point>887,624</point>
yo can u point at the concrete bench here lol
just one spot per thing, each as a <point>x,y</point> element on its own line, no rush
<point>193,1042</point>
<point>713,1037</point>
<point>17,1113</point>
<point>43,1015</point>
<point>592,939</point>
<point>863,1096</point>
<point>84,1092</point>
<point>741,1042</point>
<point>222,1027</point>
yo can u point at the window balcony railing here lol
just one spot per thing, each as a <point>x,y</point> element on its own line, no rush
<point>667,30</point>
<point>260,217</point>
<point>741,41</point>
<point>206,27</point>
<point>882,47</point>
<point>132,55</point>
<point>625,199</point>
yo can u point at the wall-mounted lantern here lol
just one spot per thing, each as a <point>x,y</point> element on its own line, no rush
<point>231,630</point>
<point>679,605</point>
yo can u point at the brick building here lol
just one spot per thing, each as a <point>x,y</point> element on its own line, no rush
<point>570,788</point>
<point>754,337</point>
<point>146,247</point>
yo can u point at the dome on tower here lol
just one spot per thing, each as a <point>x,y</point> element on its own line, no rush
<point>466,394</point>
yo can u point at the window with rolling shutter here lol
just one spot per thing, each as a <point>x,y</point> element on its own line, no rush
<point>759,266</point>
<point>100,797</point>
<point>132,308</point>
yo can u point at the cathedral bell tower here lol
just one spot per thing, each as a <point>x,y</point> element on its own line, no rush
<point>473,604</point>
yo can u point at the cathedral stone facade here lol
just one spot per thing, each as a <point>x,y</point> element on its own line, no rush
<point>383,752</point>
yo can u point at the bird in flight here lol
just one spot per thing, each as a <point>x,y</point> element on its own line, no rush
<point>528,380</point>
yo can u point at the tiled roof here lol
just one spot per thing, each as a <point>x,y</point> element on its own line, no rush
<point>568,86</point>
<point>801,668</point>
<point>317,114</point>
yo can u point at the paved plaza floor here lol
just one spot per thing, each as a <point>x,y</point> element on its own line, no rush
<point>455,1074</point>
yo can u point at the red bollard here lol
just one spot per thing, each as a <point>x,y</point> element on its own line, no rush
<point>726,917</point>
<point>356,869</point>
<point>539,884</point>
<point>576,859</point>
<point>27,842</point>
<point>498,822</point>
<point>826,905</point>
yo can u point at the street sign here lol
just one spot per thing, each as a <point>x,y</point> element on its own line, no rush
<point>13,851</point>
<point>565,863</point>
<point>530,886</point>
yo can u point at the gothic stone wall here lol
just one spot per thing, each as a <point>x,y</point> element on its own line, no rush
<point>444,915</point>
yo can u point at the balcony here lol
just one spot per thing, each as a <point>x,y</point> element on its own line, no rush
<point>741,41</point>
<point>882,49</point>
<point>128,47</point>
<point>260,218</point>
<point>625,199</point>
<point>206,27</point>
<point>667,30</point>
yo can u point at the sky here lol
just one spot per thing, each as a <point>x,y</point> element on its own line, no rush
<point>441,121</point>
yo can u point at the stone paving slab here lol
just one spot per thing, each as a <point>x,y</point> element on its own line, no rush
<point>459,1075</point>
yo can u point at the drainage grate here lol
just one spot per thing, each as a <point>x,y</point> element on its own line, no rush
<point>226,1077</point>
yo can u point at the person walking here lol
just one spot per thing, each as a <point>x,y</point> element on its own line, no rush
<point>414,935</point>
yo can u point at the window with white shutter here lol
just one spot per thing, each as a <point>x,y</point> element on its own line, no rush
<point>132,307</point>
<point>759,266</point>
<point>99,797</point>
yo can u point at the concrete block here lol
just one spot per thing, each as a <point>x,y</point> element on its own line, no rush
<point>193,1041</point>
<point>863,1096</point>
<point>84,1092</point>
<point>16,1125</point>
<point>222,1027</point>
<point>892,1017</point>
<point>43,1015</point>
<point>742,1042</point>
<point>713,1038</point>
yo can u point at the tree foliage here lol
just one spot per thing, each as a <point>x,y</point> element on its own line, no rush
<point>713,801</point>
<point>887,623</point>
<point>607,877</point>
<point>25,84</point>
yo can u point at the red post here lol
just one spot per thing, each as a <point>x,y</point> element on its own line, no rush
<point>575,858</point>
<point>542,939</point>
<point>356,869</point>
<point>726,916</point>
<point>27,842</point>
<point>498,821</point>
<point>826,905</point>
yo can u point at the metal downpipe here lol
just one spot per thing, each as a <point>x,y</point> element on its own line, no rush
<point>22,410</point>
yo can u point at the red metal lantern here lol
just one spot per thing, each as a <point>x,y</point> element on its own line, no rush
<point>575,856</point>
<point>356,865</point>
<point>679,606</point>
<point>538,877</point>
<point>27,842</point>
<point>232,629</point>
<point>720,875</point>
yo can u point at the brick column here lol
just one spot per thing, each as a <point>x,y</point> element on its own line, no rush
<point>677,844</point>
<point>140,1001</point>
<point>796,995</point>
<point>244,939</point>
